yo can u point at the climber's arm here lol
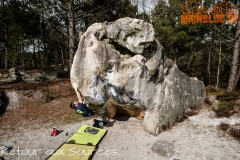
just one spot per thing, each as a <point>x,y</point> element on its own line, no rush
<point>80,100</point>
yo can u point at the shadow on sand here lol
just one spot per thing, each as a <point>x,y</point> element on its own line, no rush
<point>3,103</point>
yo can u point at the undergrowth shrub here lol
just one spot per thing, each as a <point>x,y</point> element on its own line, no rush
<point>49,96</point>
<point>223,106</point>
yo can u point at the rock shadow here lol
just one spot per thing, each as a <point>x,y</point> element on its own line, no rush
<point>4,101</point>
<point>111,122</point>
<point>122,118</point>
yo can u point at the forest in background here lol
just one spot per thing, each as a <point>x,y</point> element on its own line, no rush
<point>38,34</point>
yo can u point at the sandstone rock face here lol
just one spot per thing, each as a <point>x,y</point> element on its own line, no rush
<point>121,62</point>
<point>133,34</point>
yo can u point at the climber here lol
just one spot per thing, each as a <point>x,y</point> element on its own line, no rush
<point>79,106</point>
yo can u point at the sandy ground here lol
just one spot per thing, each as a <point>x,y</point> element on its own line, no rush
<point>195,138</point>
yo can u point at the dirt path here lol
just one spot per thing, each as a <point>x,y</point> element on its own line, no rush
<point>40,107</point>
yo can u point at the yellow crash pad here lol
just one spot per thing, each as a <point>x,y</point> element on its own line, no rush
<point>72,152</point>
<point>87,135</point>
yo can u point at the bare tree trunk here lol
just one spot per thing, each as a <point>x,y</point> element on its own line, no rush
<point>143,7</point>
<point>5,39</point>
<point>208,68</point>
<point>137,7</point>
<point>209,61</point>
<point>176,55</point>
<point>235,58</point>
<point>238,75</point>
<point>44,54</point>
<point>39,56</point>
<point>6,45</point>
<point>219,62</point>
<point>22,53</point>
<point>62,54</point>
<point>71,32</point>
<point>189,60</point>
<point>45,61</point>
<point>34,55</point>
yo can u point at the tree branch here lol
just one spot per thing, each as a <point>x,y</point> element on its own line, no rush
<point>64,7</point>
<point>80,16</point>
<point>50,24</point>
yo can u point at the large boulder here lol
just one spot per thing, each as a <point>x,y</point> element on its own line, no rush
<point>123,63</point>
